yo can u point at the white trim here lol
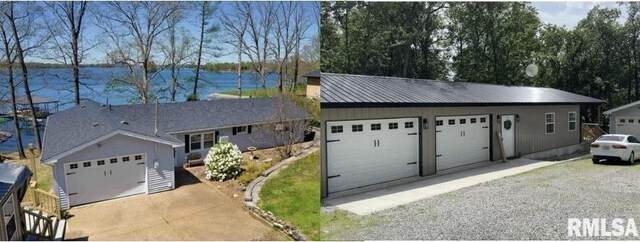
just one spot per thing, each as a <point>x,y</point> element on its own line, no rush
<point>610,111</point>
<point>554,123</point>
<point>575,116</point>
<point>55,158</point>
<point>66,168</point>
<point>212,132</point>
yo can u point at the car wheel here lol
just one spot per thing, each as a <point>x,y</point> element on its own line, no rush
<point>632,158</point>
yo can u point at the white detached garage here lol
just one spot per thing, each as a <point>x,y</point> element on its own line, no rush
<point>625,119</point>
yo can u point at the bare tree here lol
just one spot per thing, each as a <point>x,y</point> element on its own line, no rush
<point>300,29</point>
<point>284,38</point>
<point>206,10</point>
<point>8,47</point>
<point>27,15</point>
<point>66,31</point>
<point>176,49</point>
<point>286,128</point>
<point>260,17</point>
<point>132,28</point>
<point>236,27</point>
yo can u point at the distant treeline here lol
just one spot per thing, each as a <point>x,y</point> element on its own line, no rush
<point>225,66</point>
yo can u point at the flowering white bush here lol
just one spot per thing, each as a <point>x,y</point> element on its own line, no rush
<point>223,162</point>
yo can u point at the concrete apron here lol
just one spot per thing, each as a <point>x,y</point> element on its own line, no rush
<point>378,200</point>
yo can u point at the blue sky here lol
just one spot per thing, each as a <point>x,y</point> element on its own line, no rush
<point>98,53</point>
<point>570,13</point>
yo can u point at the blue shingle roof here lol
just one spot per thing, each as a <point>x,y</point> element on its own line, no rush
<point>81,124</point>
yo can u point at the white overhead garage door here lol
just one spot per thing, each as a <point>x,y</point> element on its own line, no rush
<point>366,152</point>
<point>461,140</point>
<point>628,125</point>
<point>102,179</point>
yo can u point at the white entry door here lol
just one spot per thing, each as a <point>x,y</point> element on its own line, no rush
<point>461,140</point>
<point>628,125</point>
<point>105,178</point>
<point>509,134</point>
<point>366,152</point>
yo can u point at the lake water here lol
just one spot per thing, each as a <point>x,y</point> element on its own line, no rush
<point>57,84</point>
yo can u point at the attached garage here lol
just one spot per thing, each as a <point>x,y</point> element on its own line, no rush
<point>442,127</point>
<point>366,152</point>
<point>461,140</point>
<point>105,178</point>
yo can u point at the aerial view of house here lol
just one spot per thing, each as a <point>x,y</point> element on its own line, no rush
<point>100,152</point>
<point>381,129</point>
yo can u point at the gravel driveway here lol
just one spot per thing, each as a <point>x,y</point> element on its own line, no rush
<point>532,205</point>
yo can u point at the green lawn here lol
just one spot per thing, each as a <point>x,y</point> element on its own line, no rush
<point>269,92</point>
<point>294,195</point>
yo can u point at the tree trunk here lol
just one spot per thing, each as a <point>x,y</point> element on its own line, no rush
<point>202,23</point>
<point>239,68</point>
<point>25,78</point>
<point>297,66</point>
<point>14,114</point>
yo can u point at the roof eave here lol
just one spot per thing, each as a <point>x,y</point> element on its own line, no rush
<point>407,104</point>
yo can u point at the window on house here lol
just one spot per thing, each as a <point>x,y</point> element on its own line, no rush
<point>408,125</point>
<point>439,122</point>
<point>452,121</point>
<point>630,121</point>
<point>208,140</point>
<point>356,128</point>
<point>376,126</point>
<point>622,120</point>
<point>336,129</point>
<point>463,121</point>
<point>113,160</point>
<point>86,164</point>
<point>138,157</point>
<point>573,121</point>
<point>101,162</point>
<point>550,123</point>
<point>483,120</point>
<point>195,142</point>
<point>125,159</point>
<point>9,217</point>
<point>393,125</point>
<point>241,129</point>
<point>473,120</point>
<point>73,166</point>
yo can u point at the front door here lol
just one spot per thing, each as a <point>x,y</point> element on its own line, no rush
<point>509,135</point>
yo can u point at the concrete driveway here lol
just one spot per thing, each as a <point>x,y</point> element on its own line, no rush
<point>394,196</point>
<point>193,211</point>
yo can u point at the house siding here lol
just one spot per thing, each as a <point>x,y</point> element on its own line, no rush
<point>530,129</point>
<point>160,179</point>
<point>257,138</point>
<point>313,87</point>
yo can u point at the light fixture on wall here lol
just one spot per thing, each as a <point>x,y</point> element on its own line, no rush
<point>99,145</point>
<point>155,165</point>
<point>498,119</point>
<point>517,118</point>
<point>425,123</point>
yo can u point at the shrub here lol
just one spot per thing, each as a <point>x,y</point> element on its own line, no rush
<point>223,162</point>
<point>251,170</point>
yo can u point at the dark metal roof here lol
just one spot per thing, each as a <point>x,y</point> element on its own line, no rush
<point>315,73</point>
<point>343,90</point>
<point>75,126</point>
<point>12,175</point>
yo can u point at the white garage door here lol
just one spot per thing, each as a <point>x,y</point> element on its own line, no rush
<point>102,179</point>
<point>628,125</point>
<point>461,140</point>
<point>366,152</point>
